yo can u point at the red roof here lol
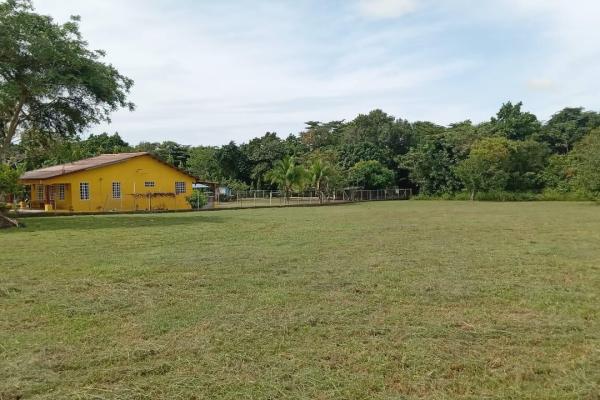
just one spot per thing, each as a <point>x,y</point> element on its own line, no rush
<point>85,164</point>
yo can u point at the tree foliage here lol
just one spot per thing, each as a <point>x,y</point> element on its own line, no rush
<point>586,163</point>
<point>323,177</point>
<point>511,153</point>
<point>485,169</point>
<point>203,163</point>
<point>370,174</point>
<point>512,123</point>
<point>567,127</point>
<point>51,83</point>
<point>262,153</point>
<point>287,175</point>
<point>9,180</point>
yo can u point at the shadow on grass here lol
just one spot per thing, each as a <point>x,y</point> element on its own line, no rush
<point>93,222</point>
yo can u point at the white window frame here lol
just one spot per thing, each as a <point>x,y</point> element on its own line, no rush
<point>180,187</point>
<point>149,184</point>
<point>39,192</point>
<point>82,192</point>
<point>116,190</point>
<point>61,191</point>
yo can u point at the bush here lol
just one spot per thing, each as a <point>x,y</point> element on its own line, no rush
<point>546,195</point>
<point>507,196</point>
<point>371,175</point>
<point>561,195</point>
<point>197,199</point>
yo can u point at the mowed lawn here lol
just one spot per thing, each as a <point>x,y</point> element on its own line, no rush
<point>389,300</point>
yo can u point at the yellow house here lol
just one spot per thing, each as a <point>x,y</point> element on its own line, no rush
<point>110,182</point>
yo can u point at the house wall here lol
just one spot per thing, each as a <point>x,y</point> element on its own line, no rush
<point>132,175</point>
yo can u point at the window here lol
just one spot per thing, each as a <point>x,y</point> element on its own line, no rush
<point>50,190</point>
<point>116,190</point>
<point>84,191</point>
<point>179,187</point>
<point>149,184</point>
<point>61,191</point>
<point>40,192</point>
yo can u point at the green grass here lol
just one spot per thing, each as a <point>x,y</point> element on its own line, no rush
<point>392,300</point>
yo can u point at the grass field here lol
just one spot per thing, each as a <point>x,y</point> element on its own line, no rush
<point>391,300</point>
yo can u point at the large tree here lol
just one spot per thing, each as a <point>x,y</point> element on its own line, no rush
<point>50,81</point>
<point>318,134</point>
<point>370,174</point>
<point>104,143</point>
<point>203,163</point>
<point>262,152</point>
<point>527,162</point>
<point>431,166</point>
<point>486,168</point>
<point>174,153</point>
<point>567,127</point>
<point>586,160</point>
<point>513,123</point>
<point>233,163</point>
<point>380,129</point>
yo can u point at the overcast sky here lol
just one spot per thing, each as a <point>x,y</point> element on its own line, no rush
<point>207,72</point>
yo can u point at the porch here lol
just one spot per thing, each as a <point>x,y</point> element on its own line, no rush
<point>48,197</point>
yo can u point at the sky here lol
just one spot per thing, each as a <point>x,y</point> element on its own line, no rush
<point>209,72</point>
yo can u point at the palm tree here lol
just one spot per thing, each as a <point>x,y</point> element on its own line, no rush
<point>287,175</point>
<point>320,174</point>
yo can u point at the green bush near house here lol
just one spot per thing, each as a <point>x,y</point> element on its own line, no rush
<point>197,199</point>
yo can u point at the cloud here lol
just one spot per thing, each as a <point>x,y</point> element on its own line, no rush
<point>211,72</point>
<point>541,84</point>
<point>386,8</point>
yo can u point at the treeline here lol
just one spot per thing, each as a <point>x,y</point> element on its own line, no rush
<point>512,156</point>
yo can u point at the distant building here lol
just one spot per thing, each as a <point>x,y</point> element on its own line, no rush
<point>110,182</point>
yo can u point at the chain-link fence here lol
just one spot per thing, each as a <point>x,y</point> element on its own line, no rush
<point>276,198</point>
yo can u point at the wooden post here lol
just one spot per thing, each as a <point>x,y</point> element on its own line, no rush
<point>46,194</point>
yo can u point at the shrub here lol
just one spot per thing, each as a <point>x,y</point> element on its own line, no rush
<point>197,199</point>
<point>371,175</point>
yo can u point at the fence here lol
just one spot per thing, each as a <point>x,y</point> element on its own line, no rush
<point>271,198</point>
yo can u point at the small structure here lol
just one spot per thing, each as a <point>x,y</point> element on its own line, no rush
<point>110,182</point>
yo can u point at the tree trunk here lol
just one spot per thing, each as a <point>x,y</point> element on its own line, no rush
<point>6,222</point>
<point>10,131</point>
<point>3,153</point>
<point>472,194</point>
